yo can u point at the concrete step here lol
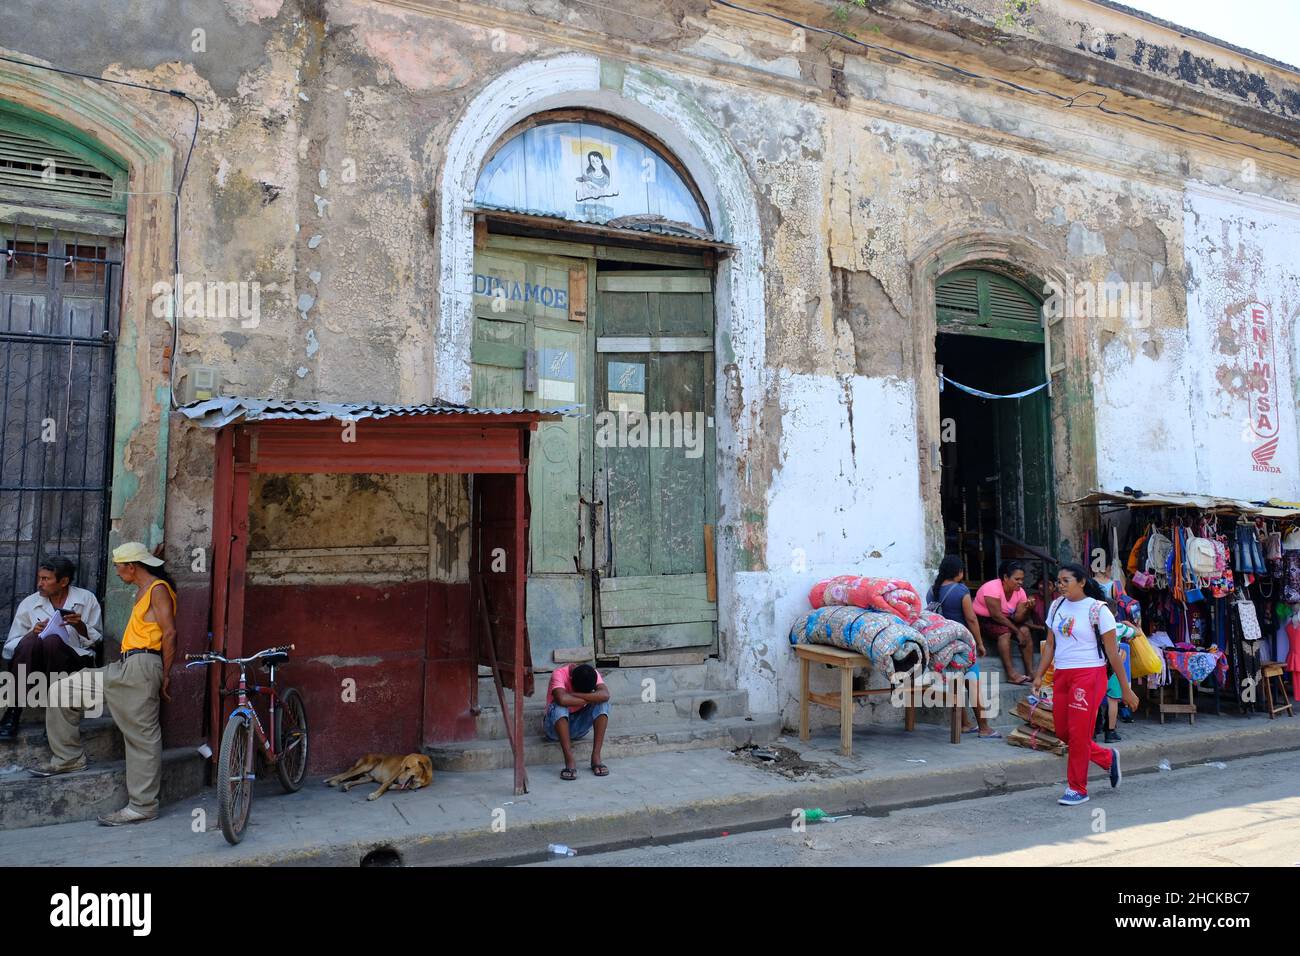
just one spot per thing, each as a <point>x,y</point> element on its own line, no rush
<point>624,740</point>
<point>688,705</point>
<point>99,735</point>
<point>27,801</point>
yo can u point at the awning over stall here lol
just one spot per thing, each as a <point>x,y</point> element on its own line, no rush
<point>1144,499</point>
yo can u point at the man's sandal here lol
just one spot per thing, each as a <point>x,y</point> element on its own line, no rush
<point>569,773</point>
<point>600,770</point>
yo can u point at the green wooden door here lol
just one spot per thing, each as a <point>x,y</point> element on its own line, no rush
<point>994,307</point>
<point>532,348</point>
<point>653,453</point>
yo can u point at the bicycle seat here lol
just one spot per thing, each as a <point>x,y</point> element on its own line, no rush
<point>279,657</point>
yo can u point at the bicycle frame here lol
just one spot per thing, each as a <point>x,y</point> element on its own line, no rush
<point>243,705</point>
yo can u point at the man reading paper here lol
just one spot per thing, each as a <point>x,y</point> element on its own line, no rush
<point>54,631</point>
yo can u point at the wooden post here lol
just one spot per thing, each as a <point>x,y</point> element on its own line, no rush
<point>803,698</point>
<point>846,710</point>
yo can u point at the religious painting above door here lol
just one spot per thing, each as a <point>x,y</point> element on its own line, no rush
<point>587,172</point>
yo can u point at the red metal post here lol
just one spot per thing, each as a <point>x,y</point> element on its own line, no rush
<point>520,561</point>
<point>222,490</point>
<point>241,477</point>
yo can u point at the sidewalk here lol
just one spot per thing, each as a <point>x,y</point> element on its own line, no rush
<point>655,797</point>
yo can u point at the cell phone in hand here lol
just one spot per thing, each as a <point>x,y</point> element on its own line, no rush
<point>66,611</point>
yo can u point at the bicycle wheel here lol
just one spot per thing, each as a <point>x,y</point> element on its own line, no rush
<point>292,745</point>
<point>234,789</point>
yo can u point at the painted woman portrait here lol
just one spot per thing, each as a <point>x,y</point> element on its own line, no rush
<point>594,183</point>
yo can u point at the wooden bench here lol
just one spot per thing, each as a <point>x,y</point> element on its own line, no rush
<point>847,661</point>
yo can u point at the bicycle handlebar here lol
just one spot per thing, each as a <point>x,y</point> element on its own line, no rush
<point>212,657</point>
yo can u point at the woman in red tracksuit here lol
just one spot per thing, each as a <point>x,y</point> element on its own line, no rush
<point>1079,684</point>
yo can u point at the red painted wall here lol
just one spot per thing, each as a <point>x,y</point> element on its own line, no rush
<point>406,646</point>
<point>182,716</point>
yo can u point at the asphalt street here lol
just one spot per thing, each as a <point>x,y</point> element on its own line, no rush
<point>1241,813</point>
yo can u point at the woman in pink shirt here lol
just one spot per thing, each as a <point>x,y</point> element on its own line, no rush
<point>1002,608</point>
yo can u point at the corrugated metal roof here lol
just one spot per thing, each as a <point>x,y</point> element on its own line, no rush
<point>1143,499</point>
<point>219,412</point>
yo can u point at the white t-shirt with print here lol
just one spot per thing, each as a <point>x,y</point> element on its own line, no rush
<point>1076,642</point>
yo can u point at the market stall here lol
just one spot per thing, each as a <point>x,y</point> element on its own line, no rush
<point>1213,582</point>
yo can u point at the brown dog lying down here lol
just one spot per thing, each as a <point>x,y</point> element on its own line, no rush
<point>388,770</point>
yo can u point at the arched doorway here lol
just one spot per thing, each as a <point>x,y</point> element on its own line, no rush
<point>62,224</point>
<point>996,489</point>
<point>594,286</point>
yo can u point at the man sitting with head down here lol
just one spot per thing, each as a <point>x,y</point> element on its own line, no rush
<point>577,701</point>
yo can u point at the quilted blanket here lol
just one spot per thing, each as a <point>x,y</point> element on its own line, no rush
<point>890,595</point>
<point>891,646</point>
<point>951,646</point>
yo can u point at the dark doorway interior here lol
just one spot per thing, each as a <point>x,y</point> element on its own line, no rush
<point>996,452</point>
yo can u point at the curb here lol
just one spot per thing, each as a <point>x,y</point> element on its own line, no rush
<point>594,833</point>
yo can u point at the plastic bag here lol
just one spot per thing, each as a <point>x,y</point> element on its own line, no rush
<point>1143,657</point>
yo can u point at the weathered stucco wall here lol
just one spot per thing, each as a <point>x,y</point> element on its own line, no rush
<point>320,173</point>
<point>1186,415</point>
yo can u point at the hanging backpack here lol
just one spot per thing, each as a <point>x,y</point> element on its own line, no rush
<point>1159,550</point>
<point>1138,554</point>
<point>1202,556</point>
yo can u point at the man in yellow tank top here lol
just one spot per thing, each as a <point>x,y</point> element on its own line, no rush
<point>131,686</point>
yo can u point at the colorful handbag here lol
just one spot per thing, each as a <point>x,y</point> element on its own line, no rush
<point>1249,620</point>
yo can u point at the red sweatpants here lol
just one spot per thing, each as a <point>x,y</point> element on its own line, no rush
<point>1076,695</point>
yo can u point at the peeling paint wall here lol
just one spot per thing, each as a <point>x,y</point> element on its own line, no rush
<point>1210,408</point>
<point>338,148</point>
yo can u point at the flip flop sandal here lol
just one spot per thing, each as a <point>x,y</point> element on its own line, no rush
<point>1026,679</point>
<point>993,736</point>
<point>600,770</point>
<point>569,773</point>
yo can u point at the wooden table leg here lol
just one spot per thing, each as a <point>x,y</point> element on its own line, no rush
<point>803,698</point>
<point>846,711</point>
<point>957,708</point>
<point>909,713</point>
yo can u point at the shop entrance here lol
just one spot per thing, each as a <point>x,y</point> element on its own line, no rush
<point>996,489</point>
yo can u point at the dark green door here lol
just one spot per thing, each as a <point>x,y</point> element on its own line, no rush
<point>1010,357</point>
<point>653,453</point>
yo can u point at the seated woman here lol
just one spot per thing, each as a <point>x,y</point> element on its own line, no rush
<point>953,598</point>
<point>1002,608</point>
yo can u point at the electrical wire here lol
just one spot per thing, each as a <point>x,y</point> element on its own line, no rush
<point>176,205</point>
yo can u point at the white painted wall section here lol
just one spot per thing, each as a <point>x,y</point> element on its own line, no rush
<point>846,500</point>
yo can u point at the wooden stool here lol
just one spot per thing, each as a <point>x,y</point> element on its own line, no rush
<point>1273,671</point>
<point>846,661</point>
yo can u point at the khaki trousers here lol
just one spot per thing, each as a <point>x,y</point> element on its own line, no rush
<point>131,689</point>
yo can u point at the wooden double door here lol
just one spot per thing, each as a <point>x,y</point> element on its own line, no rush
<point>622,493</point>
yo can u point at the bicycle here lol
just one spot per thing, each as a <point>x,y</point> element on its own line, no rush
<point>285,748</point>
